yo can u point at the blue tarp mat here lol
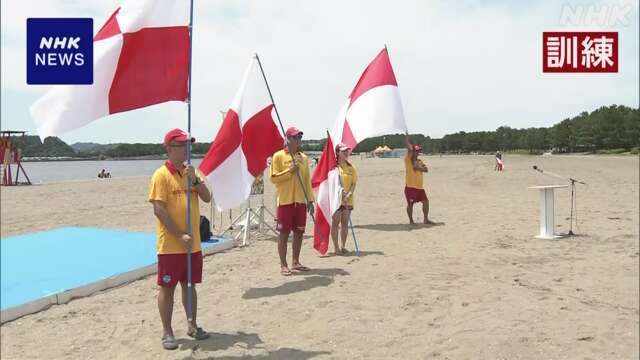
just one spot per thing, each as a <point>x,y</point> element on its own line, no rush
<point>45,263</point>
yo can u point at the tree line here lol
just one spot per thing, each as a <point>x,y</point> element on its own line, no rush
<point>614,128</point>
<point>607,129</point>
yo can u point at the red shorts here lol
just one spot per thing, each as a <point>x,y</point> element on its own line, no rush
<point>173,268</point>
<point>414,195</point>
<point>292,217</point>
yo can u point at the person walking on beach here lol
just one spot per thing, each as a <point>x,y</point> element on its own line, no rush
<point>290,198</point>
<point>414,189</point>
<point>168,194</point>
<point>348,179</point>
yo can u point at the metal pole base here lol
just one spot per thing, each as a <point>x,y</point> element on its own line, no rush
<point>250,221</point>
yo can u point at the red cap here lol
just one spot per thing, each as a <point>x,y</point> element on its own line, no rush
<point>177,135</point>
<point>293,131</point>
<point>342,147</point>
<point>417,147</point>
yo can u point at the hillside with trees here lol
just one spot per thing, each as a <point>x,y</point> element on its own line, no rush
<point>613,129</point>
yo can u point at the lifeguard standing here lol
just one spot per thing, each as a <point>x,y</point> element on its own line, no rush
<point>414,188</point>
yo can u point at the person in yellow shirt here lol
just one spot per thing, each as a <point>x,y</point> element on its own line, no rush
<point>293,199</point>
<point>168,194</point>
<point>414,188</point>
<point>348,179</point>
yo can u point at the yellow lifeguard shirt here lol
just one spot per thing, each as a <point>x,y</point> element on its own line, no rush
<point>348,177</point>
<point>413,178</point>
<point>288,189</point>
<point>170,187</point>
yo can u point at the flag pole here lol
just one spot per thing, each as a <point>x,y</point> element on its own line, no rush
<point>189,285</point>
<point>304,192</point>
<point>353,233</point>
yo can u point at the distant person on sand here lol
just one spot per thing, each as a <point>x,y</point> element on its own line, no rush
<point>168,194</point>
<point>292,206</point>
<point>499,163</point>
<point>348,179</point>
<point>414,189</point>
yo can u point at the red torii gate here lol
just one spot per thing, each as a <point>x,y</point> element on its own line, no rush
<point>10,154</point>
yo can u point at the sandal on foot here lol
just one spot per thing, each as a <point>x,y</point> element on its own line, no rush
<point>286,272</point>
<point>169,342</point>
<point>300,268</point>
<point>198,334</point>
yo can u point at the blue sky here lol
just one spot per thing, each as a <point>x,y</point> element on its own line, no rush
<point>460,66</point>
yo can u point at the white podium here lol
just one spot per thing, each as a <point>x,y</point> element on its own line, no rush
<point>547,215</point>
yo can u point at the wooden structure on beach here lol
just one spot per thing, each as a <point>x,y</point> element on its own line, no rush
<point>11,155</point>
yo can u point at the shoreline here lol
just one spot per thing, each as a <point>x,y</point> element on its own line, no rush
<point>201,156</point>
<point>64,158</point>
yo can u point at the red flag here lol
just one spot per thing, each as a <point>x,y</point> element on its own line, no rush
<point>327,188</point>
<point>141,58</point>
<point>247,137</point>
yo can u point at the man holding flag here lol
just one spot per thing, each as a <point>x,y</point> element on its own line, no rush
<point>168,194</point>
<point>290,169</point>
<point>414,188</point>
<point>142,57</point>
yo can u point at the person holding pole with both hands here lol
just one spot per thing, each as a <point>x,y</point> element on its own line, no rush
<point>290,173</point>
<point>168,194</point>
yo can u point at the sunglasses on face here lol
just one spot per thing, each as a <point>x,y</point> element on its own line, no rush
<point>177,145</point>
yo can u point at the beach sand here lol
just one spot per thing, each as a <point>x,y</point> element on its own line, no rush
<point>478,286</point>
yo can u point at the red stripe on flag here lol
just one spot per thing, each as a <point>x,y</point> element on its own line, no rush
<point>153,68</point>
<point>260,139</point>
<point>226,142</point>
<point>322,229</point>
<point>110,27</point>
<point>347,136</point>
<point>378,73</point>
<point>327,163</point>
<point>321,233</point>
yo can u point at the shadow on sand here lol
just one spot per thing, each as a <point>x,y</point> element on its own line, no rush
<point>246,341</point>
<point>313,279</point>
<point>397,227</point>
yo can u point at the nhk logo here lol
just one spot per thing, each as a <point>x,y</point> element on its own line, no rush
<point>59,51</point>
<point>54,58</point>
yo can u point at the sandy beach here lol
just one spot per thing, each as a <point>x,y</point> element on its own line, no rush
<point>479,286</point>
